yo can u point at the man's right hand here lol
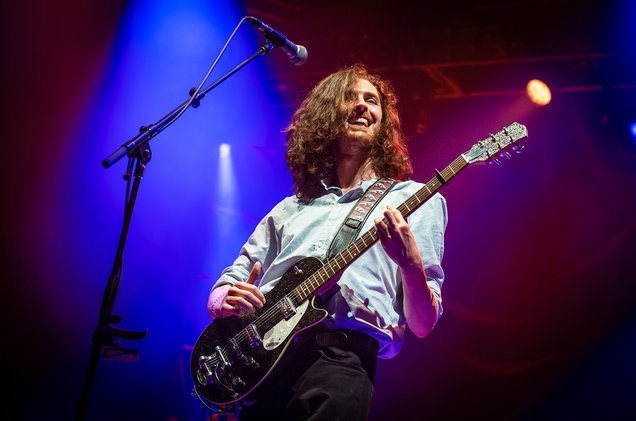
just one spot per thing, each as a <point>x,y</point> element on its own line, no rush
<point>237,299</point>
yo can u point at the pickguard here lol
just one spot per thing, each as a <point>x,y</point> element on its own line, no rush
<point>279,333</point>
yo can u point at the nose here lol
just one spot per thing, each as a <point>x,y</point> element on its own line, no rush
<point>360,105</point>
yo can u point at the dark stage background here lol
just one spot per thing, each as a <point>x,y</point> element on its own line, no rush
<point>540,291</point>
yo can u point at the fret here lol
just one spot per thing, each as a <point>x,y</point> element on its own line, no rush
<point>301,296</point>
<point>309,287</point>
<point>350,252</point>
<point>333,267</point>
<point>312,284</point>
<point>328,269</point>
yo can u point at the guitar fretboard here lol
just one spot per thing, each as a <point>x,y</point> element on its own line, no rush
<point>321,278</point>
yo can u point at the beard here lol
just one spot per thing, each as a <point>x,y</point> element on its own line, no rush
<point>358,141</point>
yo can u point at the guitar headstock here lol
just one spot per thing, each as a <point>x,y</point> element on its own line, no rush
<point>498,145</point>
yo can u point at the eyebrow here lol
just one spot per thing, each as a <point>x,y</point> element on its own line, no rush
<point>366,91</point>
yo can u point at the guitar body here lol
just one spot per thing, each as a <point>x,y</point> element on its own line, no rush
<point>233,355</point>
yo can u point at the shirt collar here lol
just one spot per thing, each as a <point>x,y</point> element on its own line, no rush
<point>351,194</point>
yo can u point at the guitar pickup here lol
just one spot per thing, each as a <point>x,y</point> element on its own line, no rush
<point>253,338</point>
<point>287,308</point>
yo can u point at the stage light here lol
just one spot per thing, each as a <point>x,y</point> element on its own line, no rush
<point>538,92</point>
<point>224,150</point>
<point>632,130</point>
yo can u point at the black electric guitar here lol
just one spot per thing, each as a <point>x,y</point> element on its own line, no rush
<point>234,355</point>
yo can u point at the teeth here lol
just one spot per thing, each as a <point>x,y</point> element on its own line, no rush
<point>362,120</point>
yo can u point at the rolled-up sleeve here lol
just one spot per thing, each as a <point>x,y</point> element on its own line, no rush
<point>428,225</point>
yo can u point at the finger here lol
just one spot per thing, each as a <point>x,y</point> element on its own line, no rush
<point>382,229</point>
<point>397,215</point>
<point>240,303</point>
<point>256,269</point>
<point>228,310</point>
<point>248,292</point>
<point>390,218</point>
<point>379,225</point>
<point>244,289</point>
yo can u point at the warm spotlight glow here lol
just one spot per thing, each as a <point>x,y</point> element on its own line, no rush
<point>538,92</point>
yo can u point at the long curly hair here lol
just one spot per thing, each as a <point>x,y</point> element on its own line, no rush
<point>320,121</point>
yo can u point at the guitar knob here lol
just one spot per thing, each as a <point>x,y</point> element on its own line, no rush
<point>238,382</point>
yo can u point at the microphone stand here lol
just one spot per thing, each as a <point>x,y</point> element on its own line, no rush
<point>138,150</point>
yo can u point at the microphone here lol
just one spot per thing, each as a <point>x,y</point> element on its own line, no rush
<point>297,53</point>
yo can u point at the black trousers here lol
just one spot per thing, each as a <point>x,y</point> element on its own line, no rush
<point>323,376</point>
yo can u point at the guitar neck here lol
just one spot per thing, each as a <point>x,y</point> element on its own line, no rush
<point>320,280</point>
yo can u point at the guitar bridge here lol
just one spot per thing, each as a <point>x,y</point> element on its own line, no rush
<point>205,376</point>
<point>212,366</point>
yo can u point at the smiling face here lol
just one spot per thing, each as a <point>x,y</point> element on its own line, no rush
<point>364,117</point>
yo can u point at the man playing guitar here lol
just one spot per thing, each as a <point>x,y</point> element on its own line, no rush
<point>345,135</point>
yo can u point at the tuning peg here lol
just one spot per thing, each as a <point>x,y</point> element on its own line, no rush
<point>496,161</point>
<point>519,148</point>
<point>507,155</point>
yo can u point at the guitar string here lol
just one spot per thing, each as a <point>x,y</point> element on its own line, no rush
<point>269,315</point>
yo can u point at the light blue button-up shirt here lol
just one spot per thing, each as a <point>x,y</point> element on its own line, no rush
<point>370,296</point>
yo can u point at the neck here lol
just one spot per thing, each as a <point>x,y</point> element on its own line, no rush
<point>351,171</point>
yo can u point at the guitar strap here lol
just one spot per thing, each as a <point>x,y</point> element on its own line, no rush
<point>355,220</point>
